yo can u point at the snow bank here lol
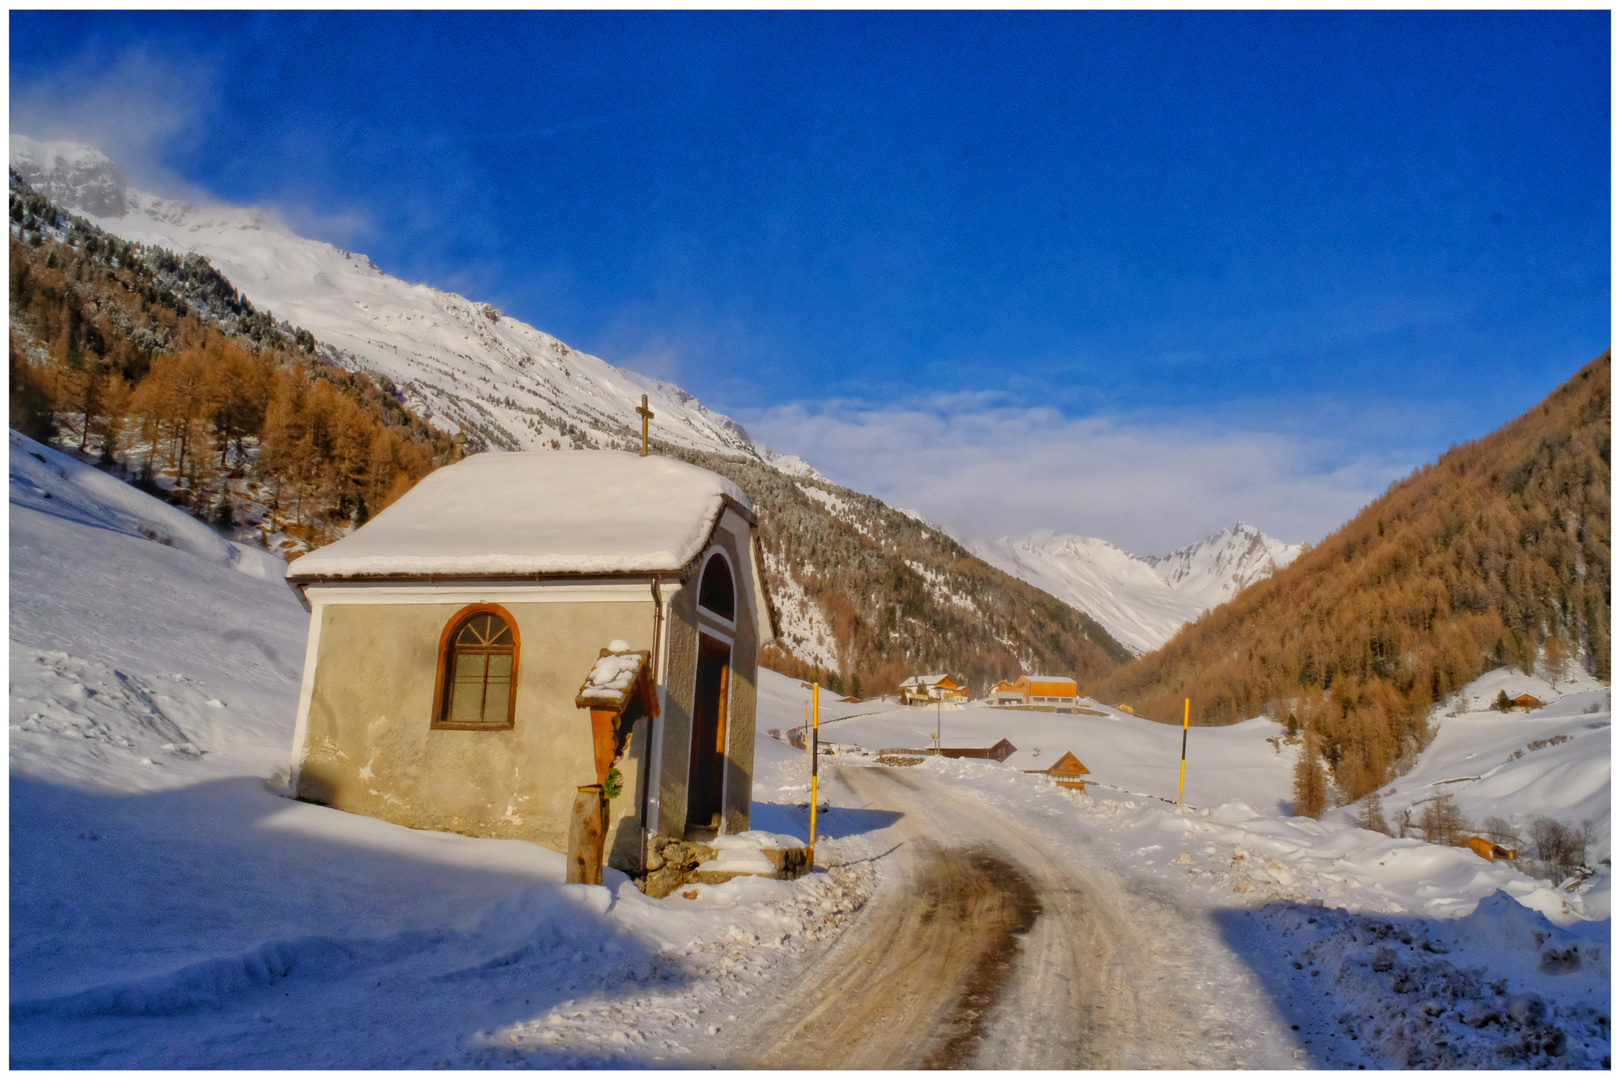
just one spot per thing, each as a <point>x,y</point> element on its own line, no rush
<point>1499,988</point>
<point>588,511</point>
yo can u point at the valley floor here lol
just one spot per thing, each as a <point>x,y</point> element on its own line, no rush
<point>169,908</point>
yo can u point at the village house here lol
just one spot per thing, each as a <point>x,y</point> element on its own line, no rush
<point>1048,690</point>
<point>926,689</point>
<point>1004,693</point>
<point>521,625</point>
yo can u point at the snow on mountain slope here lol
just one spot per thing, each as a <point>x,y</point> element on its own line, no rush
<point>1550,761</point>
<point>1116,588</point>
<point>458,361</point>
<point>1217,568</point>
<point>1141,600</point>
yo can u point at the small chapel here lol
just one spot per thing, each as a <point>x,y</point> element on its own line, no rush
<point>519,625</point>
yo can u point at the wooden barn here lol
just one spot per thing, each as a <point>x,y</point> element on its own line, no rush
<point>999,752</point>
<point>1488,851</point>
<point>1066,771</point>
<point>518,625</point>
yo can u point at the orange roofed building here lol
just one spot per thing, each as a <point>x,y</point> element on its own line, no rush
<point>1005,693</point>
<point>1047,689</point>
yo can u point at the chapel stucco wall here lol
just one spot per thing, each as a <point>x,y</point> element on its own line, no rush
<point>370,748</point>
<point>680,685</point>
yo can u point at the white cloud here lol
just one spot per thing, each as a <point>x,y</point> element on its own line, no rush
<point>987,468</point>
<point>133,107</point>
<point>139,107</point>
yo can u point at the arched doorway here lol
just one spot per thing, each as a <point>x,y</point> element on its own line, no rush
<point>706,781</point>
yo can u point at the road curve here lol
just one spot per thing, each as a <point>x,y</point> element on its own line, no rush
<point>980,949</point>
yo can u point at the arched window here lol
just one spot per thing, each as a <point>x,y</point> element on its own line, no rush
<point>716,591</point>
<point>477,669</point>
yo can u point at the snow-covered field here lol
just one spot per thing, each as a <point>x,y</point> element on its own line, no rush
<point>169,907</point>
<point>1386,952</point>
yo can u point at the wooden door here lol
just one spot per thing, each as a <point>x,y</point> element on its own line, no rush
<point>706,781</point>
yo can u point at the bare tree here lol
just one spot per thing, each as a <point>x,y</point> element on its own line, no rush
<point>1372,815</point>
<point>1560,847</point>
<point>1499,832</point>
<point>1442,822</point>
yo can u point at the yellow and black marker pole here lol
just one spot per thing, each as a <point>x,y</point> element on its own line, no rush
<point>1186,714</point>
<point>815,748</point>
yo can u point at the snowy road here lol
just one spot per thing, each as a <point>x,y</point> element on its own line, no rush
<point>989,944</point>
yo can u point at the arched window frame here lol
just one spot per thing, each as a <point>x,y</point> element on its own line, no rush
<point>442,683</point>
<point>731,572</point>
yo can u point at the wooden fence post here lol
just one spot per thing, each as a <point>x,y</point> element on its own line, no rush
<point>587,831</point>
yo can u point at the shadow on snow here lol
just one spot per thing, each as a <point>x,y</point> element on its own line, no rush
<point>177,929</point>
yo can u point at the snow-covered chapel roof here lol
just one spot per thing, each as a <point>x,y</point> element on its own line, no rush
<point>548,512</point>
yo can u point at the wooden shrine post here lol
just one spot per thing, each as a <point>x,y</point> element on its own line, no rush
<point>587,833</point>
<point>615,704</point>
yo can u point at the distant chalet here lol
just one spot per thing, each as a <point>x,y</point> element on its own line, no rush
<point>923,689</point>
<point>466,641</point>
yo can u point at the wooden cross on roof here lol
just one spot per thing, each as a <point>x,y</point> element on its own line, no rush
<point>646,415</point>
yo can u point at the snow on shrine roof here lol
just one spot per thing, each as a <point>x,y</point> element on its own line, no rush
<point>613,678</point>
<point>546,512</point>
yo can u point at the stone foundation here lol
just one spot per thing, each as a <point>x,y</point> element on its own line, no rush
<point>673,863</point>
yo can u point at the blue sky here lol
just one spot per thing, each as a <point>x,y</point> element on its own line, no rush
<point>1134,275</point>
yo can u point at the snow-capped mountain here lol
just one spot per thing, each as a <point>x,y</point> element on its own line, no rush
<point>1218,567</point>
<point>462,364</point>
<point>1141,601</point>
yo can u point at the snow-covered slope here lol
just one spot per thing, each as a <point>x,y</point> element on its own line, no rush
<point>460,362</point>
<point>1141,600</point>
<point>1240,776</point>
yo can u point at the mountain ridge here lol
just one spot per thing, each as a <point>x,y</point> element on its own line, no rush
<point>1142,600</point>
